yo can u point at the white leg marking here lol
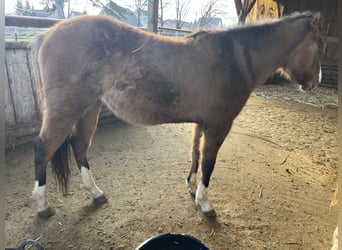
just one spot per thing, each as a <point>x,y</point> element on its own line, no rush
<point>89,183</point>
<point>192,184</point>
<point>202,198</point>
<point>39,194</point>
<point>335,240</point>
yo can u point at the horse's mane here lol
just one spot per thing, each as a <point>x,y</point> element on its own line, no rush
<point>197,33</point>
<point>200,33</point>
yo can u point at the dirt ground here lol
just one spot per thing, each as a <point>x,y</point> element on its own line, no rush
<point>272,185</point>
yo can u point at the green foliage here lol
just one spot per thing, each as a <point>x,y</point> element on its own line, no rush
<point>20,10</point>
<point>49,5</point>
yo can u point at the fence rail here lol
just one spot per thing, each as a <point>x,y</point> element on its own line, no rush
<point>25,28</point>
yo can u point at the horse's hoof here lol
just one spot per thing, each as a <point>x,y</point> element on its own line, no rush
<point>210,213</point>
<point>46,213</point>
<point>98,201</point>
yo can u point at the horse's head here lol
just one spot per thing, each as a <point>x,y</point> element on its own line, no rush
<point>303,64</point>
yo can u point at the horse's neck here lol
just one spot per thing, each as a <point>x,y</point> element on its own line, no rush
<point>269,47</point>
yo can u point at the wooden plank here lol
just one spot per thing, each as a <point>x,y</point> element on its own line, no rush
<point>20,86</point>
<point>34,22</point>
<point>9,112</point>
<point>24,129</point>
<point>21,134</point>
<point>35,79</point>
<point>330,39</point>
<point>17,45</point>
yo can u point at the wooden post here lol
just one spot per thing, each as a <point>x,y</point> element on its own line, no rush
<point>152,15</point>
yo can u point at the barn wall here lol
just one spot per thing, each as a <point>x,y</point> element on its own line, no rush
<point>264,9</point>
<point>22,102</point>
<point>328,11</point>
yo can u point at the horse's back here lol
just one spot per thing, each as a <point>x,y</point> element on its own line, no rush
<point>81,46</point>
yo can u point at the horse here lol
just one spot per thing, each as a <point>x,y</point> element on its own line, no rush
<point>204,78</point>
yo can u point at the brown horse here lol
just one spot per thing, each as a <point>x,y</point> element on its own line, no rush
<point>204,78</point>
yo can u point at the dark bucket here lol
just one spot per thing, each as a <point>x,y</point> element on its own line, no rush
<point>170,241</point>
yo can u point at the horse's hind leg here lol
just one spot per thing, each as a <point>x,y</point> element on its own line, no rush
<point>55,129</point>
<point>191,180</point>
<point>80,141</point>
<point>213,139</point>
<point>62,107</point>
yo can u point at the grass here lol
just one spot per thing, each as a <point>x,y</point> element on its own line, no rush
<point>19,40</point>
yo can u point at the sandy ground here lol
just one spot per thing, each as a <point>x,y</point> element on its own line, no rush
<point>271,188</point>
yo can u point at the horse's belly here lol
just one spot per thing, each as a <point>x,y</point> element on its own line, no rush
<point>136,107</point>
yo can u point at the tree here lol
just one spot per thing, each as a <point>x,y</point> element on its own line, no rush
<point>243,7</point>
<point>20,10</point>
<point>163,5</point>
<point>55,5</point>
<point>182,10</point>
<point>140,6</point>
<point>27,10</point>
<point>208,12</point>
<point>111,9</point>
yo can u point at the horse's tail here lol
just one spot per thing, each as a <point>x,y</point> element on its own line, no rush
<point>60,163</point>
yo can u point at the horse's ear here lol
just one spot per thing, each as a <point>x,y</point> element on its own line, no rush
<point>316,23</point>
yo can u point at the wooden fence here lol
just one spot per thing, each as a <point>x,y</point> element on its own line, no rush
<point>21,93</point>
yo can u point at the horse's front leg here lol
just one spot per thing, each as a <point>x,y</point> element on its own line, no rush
<point>191,181</point>
<point>213,139</point>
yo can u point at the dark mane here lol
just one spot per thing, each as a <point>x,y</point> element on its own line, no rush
<point>197,34</point>
<point>257,27</point>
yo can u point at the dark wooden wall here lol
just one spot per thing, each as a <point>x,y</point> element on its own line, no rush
<point>328,11</point>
